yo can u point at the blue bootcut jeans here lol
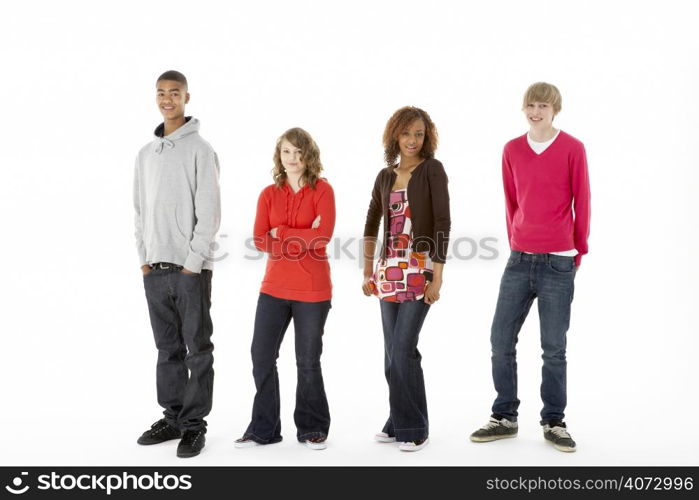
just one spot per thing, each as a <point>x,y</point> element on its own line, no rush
<point>402,323</point>
<point>550,279</point>
<point>312,415</point>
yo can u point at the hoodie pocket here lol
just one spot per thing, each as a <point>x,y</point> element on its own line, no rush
<point>288,274</point>
<point>303,279</point>
<point>184,223</point>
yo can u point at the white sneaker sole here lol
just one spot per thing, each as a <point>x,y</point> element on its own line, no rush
<point>382,437</point>
<point>409,446</point>
<point>316,446</point>
<point>246,444</point>
<point>566,449</point>
<point>488,439</point>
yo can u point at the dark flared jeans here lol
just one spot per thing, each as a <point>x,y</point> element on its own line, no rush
<point>549,279</point>
<point>402,323</point>
<point>179,306</point>
<point>312,415</point>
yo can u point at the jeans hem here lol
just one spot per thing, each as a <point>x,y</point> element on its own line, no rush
<point>500,416</point>
<point>547,421</point>
<point>259,440</point>
<point>405,435</point>
<point>193,428</point>
<point>302,438</point>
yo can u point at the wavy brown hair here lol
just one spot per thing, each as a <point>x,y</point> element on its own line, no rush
<point>401,120</point>
<point>310,155</point>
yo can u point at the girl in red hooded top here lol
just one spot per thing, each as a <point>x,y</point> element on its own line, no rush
<point>294,223</point>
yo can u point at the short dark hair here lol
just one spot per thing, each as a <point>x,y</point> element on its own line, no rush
<point>174,76</point>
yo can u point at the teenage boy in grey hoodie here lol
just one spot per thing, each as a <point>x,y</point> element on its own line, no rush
<point>178,209</point>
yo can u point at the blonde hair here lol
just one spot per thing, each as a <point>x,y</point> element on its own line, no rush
<point>310,155</point>
<point>543,92</point>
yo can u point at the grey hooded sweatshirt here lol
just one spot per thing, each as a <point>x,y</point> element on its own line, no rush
<point>177,198</point>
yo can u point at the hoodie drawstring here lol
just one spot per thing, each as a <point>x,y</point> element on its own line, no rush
<point>163,142</point>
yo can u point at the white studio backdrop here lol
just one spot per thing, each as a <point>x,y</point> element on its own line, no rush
<point>78,369</point>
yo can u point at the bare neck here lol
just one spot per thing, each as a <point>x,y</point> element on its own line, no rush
<point>409,164</point>
<point>537,135</point>
<point>295,182</point>
<point>174,124</point>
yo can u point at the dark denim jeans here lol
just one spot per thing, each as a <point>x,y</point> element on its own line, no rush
<point>402,323</point>
<point>179,305</point>
<point>550,279</point>
<point>312,415</point>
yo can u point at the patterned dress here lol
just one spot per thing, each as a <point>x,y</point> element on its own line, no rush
<point>403,274</point>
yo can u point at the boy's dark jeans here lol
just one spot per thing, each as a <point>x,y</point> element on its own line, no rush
<point>550,279</point>
<point>312,415</point>
<point>179,306</point>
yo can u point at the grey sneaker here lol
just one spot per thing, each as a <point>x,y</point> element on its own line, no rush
<point>495,429</point>
<point>558,436</point>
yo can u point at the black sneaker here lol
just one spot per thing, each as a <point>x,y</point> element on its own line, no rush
<point>192,443</point>
<point>557,434</point>
<point>495,429</point>
<point>159,432</point>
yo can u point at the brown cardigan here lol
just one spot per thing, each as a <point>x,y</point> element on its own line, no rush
<point>428,197</point>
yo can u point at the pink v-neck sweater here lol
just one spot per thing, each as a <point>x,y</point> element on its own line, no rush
<point>547,196</point>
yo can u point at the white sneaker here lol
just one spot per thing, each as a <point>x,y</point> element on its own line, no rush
<point>382,437</point>
<point>316,445</point>
<point>413,445</point>
<point>245,443</point>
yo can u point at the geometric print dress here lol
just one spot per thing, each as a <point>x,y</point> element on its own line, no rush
<point>403,274</point>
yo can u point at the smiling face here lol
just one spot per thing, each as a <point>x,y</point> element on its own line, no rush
<point>411,139</point>
<point>290,157</point>
<point>539,115</point>
<point>171,97</point>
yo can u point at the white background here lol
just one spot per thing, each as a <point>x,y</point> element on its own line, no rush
<point>78,89</point>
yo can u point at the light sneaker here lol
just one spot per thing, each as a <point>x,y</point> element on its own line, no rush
<point>382,437</point>
<point>558,435</point>
<point>316,443</point>
<point>245,443</point>
<point>413,445</point>
<point>495,429</point>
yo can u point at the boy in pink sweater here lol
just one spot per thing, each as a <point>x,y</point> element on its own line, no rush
<point>547,195</point>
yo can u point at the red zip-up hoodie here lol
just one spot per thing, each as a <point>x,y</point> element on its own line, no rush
<point>297,264</point>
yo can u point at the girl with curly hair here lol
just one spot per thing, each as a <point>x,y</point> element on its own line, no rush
<point>411,196</point>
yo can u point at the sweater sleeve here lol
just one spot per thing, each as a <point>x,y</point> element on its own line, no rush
<point>439,193</point>
<point>373,215</point>
<point>261,237</point>
<point>207,210</point>
<point>580,184</point>
<point>140,246</point>
<point>508,183</point>
<point>299,240</point>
